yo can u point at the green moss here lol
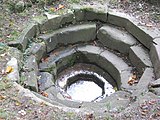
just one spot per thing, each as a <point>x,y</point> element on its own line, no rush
<point>88,8</point>
<point>40,19</point>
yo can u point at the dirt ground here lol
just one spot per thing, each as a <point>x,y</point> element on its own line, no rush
<point>12,105</point>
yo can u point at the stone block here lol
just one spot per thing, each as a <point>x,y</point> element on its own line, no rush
<point>155,91</point>
<point>144,34</point>
<point>154,87</point>
<point>60,96</point>
<point>155,56</point>
<point>28,33</point>
<point>139,57</point>
<point>56,22</point>
<point>14,74</point>
<point>56,61</point>
<point>14,52</point>
<point>113,103</point>
<point>142,86</point>
<point>79,14</point>
<point>117,18</point>
<point>115,66</point>
<point>90,13</point>
<point>38,50</point>
<point>70,35</point>
<point>116,39</point>
<point>48,67</point>
<point>30,64</point>
<point>155,83</point>
<point>30,80</point>
<point>45,81</point>
<point>91,54</point>
<point>93,15</point>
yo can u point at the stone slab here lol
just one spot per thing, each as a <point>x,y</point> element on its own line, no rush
<point>45,81</point>
<point>28,33</point>
<point>90,13</point>
<point>38,50</point>
<point>14,52</point>
<point>144,34</point>
<point>94,15</point>
<point>14,74</point>
<point>30,64</point>
<point>113,103</point>
<point>70,35</point>
<point>55,95</point>
<point>155,56</point>
<point>56,22</point>
<point>143,84</point>
<point>139,57</point>
<point>114,65</point>
<point>155,83</point>
<point>55,61</point>
<point>118,18</point>
<point>31,80</point>
<point>116,39</point>
<point>106,60</point>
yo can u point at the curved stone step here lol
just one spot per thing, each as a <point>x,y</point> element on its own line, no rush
<point>116,39</point>
<point>139,57</point>
<point>69,35</point>
<point>104,59</point>
<point>155,56</point>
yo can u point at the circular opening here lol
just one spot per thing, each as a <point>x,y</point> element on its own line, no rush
<point>84,91</point>
<point>85,86</point>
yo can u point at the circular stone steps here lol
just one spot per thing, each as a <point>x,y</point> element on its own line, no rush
<point>112,41</point>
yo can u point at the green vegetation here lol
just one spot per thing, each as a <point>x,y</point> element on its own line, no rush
<point>5,84</point>
<point>70,115</point>
<point>74,1</point>
<point>13,35</point>
<point>108,105</point>
<point>3,114</point>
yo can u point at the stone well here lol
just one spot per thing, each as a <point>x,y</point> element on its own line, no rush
<point>104,47</point>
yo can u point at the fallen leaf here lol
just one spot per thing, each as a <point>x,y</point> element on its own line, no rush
<point>52,9</point>
<point>60,7</point>
<point>89,116</point>
<point>143,113</point>
<point>9,69</point>
<point>22,112</point>
<point>42,103</point>
<point>132,80</point>
<point>44,94</point>
<point>17,103</point>
<point>2,97</point>
<point>152,102</point>
<point>149,25</point>
<point>45,59</point>
<point>2,119</point>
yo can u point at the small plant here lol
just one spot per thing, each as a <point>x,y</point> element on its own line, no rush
<point>3,114</point>
<point>108,118</point>
<point>74,1</point>
<point>108,105</point>
<point>22,80</point>
<point>70,115</point>
<point>13,35</point>
<point>5,84</point>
